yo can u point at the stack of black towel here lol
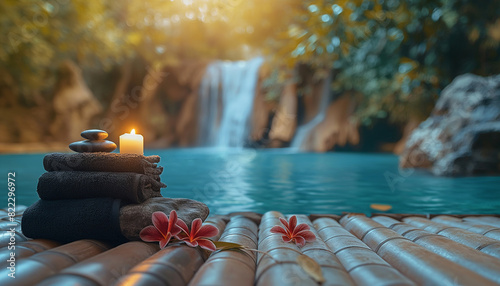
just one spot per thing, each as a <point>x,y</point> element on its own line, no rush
<point>82,193</point>
<point>132,178</point>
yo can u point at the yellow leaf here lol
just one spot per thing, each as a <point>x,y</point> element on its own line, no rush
<point>222,245</point>
<point>311,267</point>
<point>381,207</point>
<point>134,38</point>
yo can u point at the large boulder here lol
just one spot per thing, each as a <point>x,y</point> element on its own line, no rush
<point>462,135</point>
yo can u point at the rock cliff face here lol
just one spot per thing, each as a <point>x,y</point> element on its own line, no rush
<point>163,105</point>
<point>74,104</point>
<point>462,135</point>
<point>15,124</point>
<point>338,128</point>
<point>284,122</point>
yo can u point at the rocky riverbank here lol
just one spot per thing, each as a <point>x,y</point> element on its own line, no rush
<point>164,105</point>
<point>462,135</point>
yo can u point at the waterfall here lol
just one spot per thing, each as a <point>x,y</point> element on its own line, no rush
<point>303,131</point>
<point>226,99</point>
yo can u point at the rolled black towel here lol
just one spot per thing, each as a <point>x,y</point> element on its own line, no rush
<point>103,162</point>
<point>101,218</point>
<point>130,187</point>
<point>70,220</point>
<point>135,217</point>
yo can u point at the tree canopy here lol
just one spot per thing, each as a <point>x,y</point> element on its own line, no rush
<point>39,35</point>
<point>396,54</point>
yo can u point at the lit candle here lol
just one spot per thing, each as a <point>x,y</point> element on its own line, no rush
<point>132,143</point>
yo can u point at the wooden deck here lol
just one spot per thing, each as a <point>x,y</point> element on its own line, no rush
<point>384,249</point>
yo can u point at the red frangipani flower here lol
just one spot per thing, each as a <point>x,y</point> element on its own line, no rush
<point>198,235</point>
<point>163,230</point>
<point>293,232</point>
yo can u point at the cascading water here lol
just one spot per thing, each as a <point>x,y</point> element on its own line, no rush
<point>303,131</point>
<point>226,98</point>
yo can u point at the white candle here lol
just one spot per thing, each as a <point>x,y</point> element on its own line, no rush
<point>132,143</point>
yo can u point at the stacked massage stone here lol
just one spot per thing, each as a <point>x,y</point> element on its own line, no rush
<point>94,194</point>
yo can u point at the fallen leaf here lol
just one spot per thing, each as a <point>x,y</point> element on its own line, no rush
<point>311,267</point>
<point>381,207</point>
<point>222,245</point>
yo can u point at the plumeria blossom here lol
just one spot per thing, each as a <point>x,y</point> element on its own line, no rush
<point>293,232</point>
<point>198,236</point>
<point>162,230</point>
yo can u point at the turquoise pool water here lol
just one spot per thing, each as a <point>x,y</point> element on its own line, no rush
<point>265,180</point>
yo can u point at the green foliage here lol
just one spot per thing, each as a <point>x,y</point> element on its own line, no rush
<point>397,54</point>
<point>169,32</point>
<point>39,35</point>
<point>98,34</point>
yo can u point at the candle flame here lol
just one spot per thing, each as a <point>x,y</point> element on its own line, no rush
<point>133,131</point>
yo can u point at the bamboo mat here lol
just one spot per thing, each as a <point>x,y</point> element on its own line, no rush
<point>351,249</point>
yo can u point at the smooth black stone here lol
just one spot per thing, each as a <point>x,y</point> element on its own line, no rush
<point>94,134</point>
<point>88,146</point>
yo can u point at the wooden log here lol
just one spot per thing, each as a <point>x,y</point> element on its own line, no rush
<point>255,217</point>
<point>105,268</point>
<point>412,260</point>
<point>280,266</point>
<point>489,220</point>
<point>235,267</point>
<point>7,225</point>
<point>47,263</point>
<point>314,217</point>
<point>362,263</point>
<point>438,250</point>
<point>25,249</point>
<point>219,222</point>
<point>477,241</point>
<point>481,263</point>
<point>4,213</point>
<point>19,209</point>
<point>173,265</point>
<point>10,232</point>
<point>333,270</point>
<point>486,230</point>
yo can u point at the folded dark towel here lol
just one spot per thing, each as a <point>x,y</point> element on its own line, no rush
<point>70,220</point>
<point>101,218</point>
<point>135,217</point>
<point>130,187</point>
<point>103,162</point>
